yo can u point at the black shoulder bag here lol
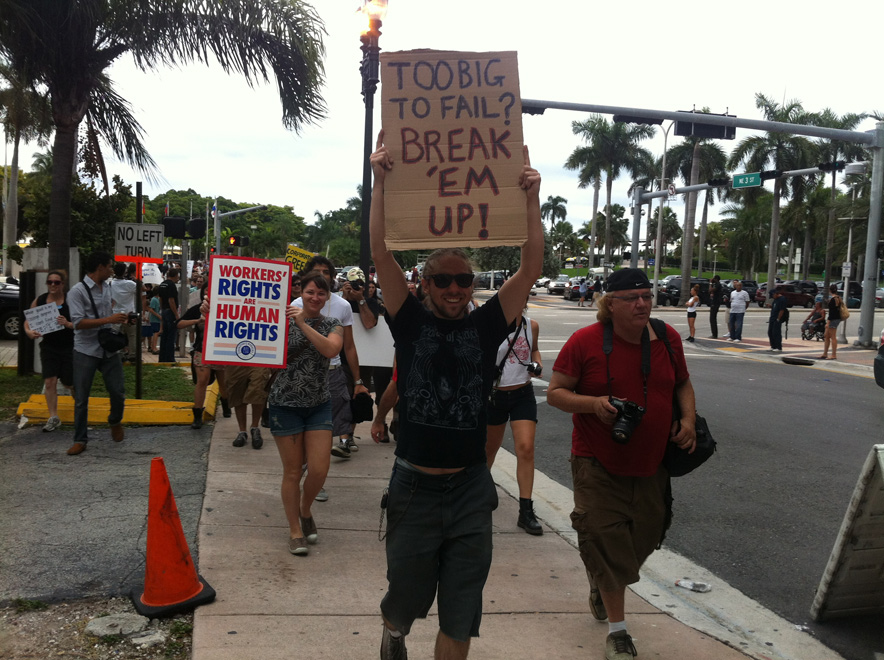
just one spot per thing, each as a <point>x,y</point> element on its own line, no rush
<point>108,338</point>
<point>676,460</point>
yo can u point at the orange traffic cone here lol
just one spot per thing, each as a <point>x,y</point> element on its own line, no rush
<point>171,584</point>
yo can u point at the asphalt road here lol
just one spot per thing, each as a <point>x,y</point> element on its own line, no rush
<point>75,526</point>
<point>764,513</point>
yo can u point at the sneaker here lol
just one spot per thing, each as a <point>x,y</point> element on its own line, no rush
<point>393,648</point>
<point>298,546</point>
<point>351,445</point>
<point>308,529</point>
<point>597,605</point>
<point>51,424</point>
<point>341,450</point>
<point>738,341</point>
<point>241,439</point>
<point>257,440</point>
<point>726,335</point>
<point>619,646</point>
<point>322,496</point>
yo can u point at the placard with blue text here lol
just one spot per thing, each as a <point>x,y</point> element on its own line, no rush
<point>453,125</point>
<point>247,302</point>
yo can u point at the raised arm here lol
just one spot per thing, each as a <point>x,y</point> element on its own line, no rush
<point>515,290</point>
<point>391,280</point>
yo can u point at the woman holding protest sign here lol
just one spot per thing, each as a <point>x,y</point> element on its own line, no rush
<point>57,347</point>
<point>300,407</point>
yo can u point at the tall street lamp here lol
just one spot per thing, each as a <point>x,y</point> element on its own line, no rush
<point>375,11</point>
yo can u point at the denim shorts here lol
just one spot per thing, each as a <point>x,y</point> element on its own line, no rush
<point>833,323</point>
<point>286,420</point>
<point>513,405</point>
<point>438,536</point>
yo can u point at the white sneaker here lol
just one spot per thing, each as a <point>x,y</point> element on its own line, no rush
<point>51,424</point>
<point>726,335</point>
<point>737,341</point>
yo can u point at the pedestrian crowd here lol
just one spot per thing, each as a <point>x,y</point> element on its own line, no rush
<point>461,373</point>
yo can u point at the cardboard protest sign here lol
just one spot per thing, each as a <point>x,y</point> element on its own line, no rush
<point>453,125</point>
<point>42,318</point>
<point>247,302</point>
<point>297,257</point>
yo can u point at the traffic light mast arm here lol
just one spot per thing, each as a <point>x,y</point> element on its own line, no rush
<point>218,217</point>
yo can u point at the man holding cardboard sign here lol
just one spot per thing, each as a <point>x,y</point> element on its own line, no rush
<point>441,495</point>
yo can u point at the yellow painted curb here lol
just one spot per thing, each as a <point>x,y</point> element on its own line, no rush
<point>143,412</point>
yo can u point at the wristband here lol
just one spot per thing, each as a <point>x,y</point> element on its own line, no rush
<point>358,382</point>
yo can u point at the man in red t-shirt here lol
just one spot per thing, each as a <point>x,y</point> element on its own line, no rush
<point>620,488</point>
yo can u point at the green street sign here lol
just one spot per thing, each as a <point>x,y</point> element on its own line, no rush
<point>752,180</point>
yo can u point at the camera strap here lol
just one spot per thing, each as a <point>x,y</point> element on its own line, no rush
<point>608,346</point>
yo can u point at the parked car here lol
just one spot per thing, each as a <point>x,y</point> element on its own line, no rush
<point>10,316</point>
<point>673,290</point>
<point>542,282</point>
<point>879,297</point>
<point>483,280</point>
<point>804,285</point>
<point>854,297</point>
<point>558,285</point>
<point>749,286</point>
<point>793,295</point>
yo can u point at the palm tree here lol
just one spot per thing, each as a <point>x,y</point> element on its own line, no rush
<point>590,174</point>
<point>671,230</point>
<point>611,148</point>
<point>67,45</point>
<point>780,151</point>
<point>645,174</point>
<point>694,160</point>
<point>26,118</point>
<point>560,234</point>
<point>552,208</point>
<point>830,151</point>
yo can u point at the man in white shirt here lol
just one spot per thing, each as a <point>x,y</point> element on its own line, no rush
<point>739,302</point>
<point>123,297</point>
<point>338,308</point>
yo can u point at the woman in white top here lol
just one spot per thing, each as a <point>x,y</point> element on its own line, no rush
<point>692,304</point>
<point>512,398</point>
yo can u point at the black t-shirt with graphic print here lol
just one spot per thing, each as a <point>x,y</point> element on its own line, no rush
<point>445,374</point>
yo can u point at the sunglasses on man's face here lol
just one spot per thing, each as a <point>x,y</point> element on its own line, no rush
<point>444,280</point>
<point>51,282</point>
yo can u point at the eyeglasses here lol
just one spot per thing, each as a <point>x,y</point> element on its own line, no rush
<point>51,282</point>
<point>444,280</point>
<point>631,300</point>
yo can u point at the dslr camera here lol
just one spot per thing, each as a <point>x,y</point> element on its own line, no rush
<point>629,416</point>
<point>534,368</point>
<point>356,278</point>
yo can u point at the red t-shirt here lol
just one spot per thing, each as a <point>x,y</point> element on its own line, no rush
<point>582,358</point>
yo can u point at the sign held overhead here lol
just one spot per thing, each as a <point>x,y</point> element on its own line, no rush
<point>453,125</point>
<point>135,242</point>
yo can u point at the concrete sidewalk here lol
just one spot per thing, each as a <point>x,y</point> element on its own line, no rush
<point>272,604</point>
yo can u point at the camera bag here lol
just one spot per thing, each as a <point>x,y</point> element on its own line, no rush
<point>678,461</point>
<point>109,339</point>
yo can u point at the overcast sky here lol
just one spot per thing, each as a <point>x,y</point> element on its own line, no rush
<point>212,133</point>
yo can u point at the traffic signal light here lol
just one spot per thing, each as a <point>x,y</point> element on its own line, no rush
<point>173,226</point>
<point>718,182</point>
<point>196,228</point>
<point>770,174</point>
<point>233,241</point>
<point>243,241</point>
<point>212,250</point>
<point>837,166</point>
